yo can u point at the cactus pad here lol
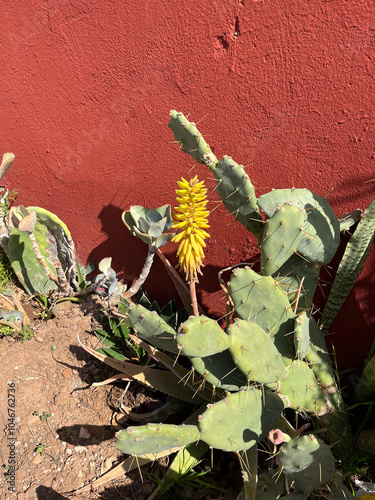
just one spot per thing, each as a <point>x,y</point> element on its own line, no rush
<point>308,462</point>
<point>191,140</point>
<point>240,420</point>
<point>281,237</point>
<point>201,336</point>
<point>237,192</point>
<point>259,299</point>
<point>151,327</point>
<point>155,438</point>
<point>219,370</point>
<point>322,227</point>
<point>254,353</point>
<point>301,389</point>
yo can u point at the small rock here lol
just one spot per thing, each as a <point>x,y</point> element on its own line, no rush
<point>62,308</point>
<point>80,449</point>
<point>37,459</point>
<point>67,373</point>
<point>84,433</point>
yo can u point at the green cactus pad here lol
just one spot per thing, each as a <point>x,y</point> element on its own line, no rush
<point>240,420</point>
<point>308,462</point>
<point>191,140</point>
<point>259,299</point>
<point>301,391</point>
<point>219,370</point>
<point>318,356</point>
<point>237,192</point>
<point>151,327</point>
<point>322,227</point>
<point>336,421</point>
<point>289,278</point>
<point>254,352</point>
<point>201,336</point>
<point>155,438</point>
<point>302,335</point>
<point>270,485</point>
<point>281,237</point>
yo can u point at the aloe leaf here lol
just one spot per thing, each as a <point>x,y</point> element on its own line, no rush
<point>107,351</point>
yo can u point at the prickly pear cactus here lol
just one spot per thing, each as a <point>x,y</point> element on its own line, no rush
<point>272,356</point>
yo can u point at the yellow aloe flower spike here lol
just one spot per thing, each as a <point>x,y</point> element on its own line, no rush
<point>190,218</point>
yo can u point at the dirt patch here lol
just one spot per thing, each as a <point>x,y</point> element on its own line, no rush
<point>62,436</point>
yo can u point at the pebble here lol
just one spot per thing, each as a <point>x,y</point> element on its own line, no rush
<point>37,459</point>
<point>80,449</point>
<point>84,433</point>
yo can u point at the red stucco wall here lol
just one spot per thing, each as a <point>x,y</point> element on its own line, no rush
<point>286,88</point>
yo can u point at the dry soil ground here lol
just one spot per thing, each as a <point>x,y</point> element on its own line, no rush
<point>55,427</point>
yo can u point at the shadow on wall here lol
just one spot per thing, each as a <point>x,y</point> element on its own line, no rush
<point>128,256</point>
<point>341,197</point>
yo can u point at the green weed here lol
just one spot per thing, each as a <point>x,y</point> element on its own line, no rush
<point>41,448</point>
<point>43,417</point>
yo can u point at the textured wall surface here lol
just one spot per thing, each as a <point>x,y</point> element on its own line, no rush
<point>286,88</point>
